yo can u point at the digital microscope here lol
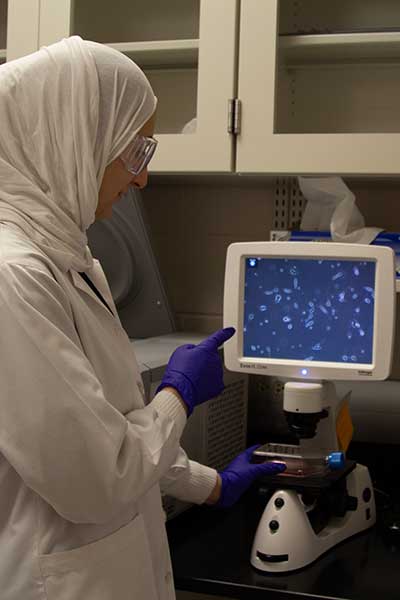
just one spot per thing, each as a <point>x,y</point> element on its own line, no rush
<point>311,313</point>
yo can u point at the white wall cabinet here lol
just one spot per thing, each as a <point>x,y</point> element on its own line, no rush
<point>191,66</point>
<point>318,81</point>
<point>320,86</point>
<point>18,37</point>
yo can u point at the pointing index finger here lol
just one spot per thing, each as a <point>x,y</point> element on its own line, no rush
<point>215,340</point>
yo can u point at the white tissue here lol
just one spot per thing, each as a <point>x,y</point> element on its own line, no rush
<point>331,205</point>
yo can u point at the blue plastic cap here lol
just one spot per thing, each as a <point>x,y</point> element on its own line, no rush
<point>336,461</point>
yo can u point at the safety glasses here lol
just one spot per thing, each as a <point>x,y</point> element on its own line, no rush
<point>138,154</point>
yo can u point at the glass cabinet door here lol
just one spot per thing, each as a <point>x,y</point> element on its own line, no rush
<point>320,86</point>
<point>187,49</point>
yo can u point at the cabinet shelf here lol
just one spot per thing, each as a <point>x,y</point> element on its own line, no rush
<point>308,50</point>
<point>168,53</point>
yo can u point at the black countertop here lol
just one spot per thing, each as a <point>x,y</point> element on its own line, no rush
<point>211,548</point>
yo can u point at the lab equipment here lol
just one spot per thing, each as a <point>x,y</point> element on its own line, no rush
<point>375,422</point>
<point>238,476</point>
<point>196,370</point>
<point>311,313</point>
<point>122,245</point>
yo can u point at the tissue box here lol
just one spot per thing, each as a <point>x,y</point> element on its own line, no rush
<point>384,238</point>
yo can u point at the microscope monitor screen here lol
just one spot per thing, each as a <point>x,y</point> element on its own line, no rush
<point>310,310</point>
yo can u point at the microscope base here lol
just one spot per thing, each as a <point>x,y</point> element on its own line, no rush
<point>285,540</point>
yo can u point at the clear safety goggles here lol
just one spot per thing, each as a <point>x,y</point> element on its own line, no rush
<point>138,154</point>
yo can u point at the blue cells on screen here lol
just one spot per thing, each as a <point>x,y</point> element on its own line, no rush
<point>318,310</point>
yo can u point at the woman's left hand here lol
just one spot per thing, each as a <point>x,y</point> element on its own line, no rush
<point>238,476</point>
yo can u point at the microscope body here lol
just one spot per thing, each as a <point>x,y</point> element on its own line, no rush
<point>311,410</point>
<point>316,504</point>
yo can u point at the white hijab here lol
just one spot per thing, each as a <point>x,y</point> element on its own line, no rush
<point>66,112</point>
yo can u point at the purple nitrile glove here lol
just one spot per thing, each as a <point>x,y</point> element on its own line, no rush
<point>196,371</point>
<point>240,474</point>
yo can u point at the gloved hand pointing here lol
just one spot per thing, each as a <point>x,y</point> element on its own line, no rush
<point>196,371</point>
<point>240,474</point>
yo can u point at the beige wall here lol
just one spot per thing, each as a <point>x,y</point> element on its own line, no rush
<point>191,227</point>
<point>193,221</point>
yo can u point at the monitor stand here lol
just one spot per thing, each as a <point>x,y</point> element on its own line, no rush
<point>317,503</point>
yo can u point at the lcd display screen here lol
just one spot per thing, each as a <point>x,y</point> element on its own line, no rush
<point>309,309</point>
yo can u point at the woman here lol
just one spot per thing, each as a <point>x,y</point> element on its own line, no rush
<point>81,458</point>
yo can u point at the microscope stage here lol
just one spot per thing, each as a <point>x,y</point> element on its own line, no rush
<point>312,483</point>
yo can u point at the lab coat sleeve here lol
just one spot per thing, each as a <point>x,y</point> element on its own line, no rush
<point>188,480</point>
<point>57,430</point>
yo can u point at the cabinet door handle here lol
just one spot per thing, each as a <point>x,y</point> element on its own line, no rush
<point>234,116</point>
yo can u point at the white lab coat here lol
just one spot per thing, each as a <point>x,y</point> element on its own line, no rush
<point>81,457</point>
